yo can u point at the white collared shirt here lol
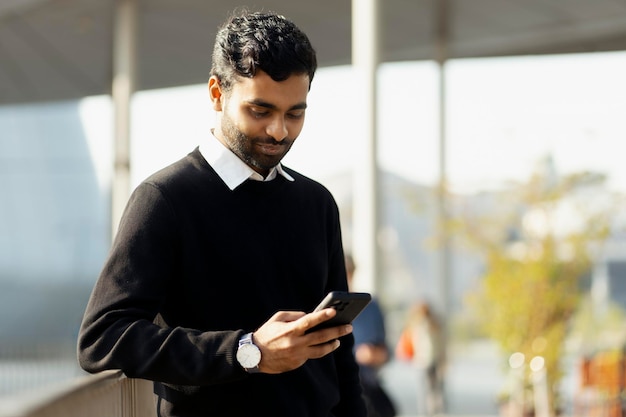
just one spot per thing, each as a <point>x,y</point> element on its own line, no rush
<point>232,170</point>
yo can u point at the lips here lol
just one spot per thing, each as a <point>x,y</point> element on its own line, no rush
<point>270,148</point>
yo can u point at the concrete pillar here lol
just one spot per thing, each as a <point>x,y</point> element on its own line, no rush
<point>365,59</point>
<point>124,72</point>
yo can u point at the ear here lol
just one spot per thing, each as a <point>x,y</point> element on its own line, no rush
<point>215,93</point>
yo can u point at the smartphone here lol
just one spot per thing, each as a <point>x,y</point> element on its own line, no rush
<point>348,306</point>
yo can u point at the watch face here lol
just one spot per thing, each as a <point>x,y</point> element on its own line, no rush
<point>249,355</point>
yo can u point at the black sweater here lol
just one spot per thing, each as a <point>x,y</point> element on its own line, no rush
<point>193,267</point>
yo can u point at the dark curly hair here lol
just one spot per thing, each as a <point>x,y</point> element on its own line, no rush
<point>249,42</point>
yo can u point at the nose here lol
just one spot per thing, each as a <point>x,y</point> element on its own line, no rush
<point>277,128</point>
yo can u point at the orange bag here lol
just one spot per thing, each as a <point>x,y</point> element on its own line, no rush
<point>404,348</point>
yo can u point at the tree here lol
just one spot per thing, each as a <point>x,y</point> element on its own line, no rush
<point>537,242</point>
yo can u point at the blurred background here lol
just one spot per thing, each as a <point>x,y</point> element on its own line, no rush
<point>500,182</point>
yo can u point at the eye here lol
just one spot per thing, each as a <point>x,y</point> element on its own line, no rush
<point>258,112</point>
<point>296,115</point>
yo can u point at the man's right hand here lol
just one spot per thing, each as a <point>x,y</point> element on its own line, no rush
<point>285,345</point>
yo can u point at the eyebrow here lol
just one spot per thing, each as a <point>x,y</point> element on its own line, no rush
<point>262,103</point>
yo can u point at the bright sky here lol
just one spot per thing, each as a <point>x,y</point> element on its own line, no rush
<point>504,115</point>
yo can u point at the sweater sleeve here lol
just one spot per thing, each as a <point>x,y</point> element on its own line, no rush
<point>119,330</point>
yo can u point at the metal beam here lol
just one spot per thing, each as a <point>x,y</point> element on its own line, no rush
<point>441,57</point>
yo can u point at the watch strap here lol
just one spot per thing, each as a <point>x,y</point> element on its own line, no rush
<point>246,339</point>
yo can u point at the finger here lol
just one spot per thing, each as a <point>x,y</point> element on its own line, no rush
<point>287,316</point>
<point>324,349</point>
<point>313,319</point>
<point>321,336</point>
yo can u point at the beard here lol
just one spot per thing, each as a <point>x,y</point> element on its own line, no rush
<point>247,148</point>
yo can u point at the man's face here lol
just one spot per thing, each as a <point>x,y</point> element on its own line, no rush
<point>259,118</point>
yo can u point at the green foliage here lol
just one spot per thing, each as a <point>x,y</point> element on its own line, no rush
<point>597,328</point>
<point>536,244</point>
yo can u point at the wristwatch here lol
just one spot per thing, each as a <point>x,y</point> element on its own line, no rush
<point>248,354</point>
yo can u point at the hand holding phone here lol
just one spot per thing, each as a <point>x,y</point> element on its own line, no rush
<point>347,304</point>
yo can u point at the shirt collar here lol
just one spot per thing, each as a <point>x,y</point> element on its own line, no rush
<point>232,170</point>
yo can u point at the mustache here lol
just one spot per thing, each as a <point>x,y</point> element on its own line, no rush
<point>272,141</point>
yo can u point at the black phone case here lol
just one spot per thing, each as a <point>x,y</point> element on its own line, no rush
<point>348,305</point>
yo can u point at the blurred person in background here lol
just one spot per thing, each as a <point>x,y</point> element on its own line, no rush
<point>219,257</point>
<point>371,352</point>
<point>421,344</point>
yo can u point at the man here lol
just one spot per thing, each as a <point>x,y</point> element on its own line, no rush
<point>371,352</point>
<point>220,256</point>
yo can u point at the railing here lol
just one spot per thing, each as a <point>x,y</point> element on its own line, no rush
<point>108,394</point>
